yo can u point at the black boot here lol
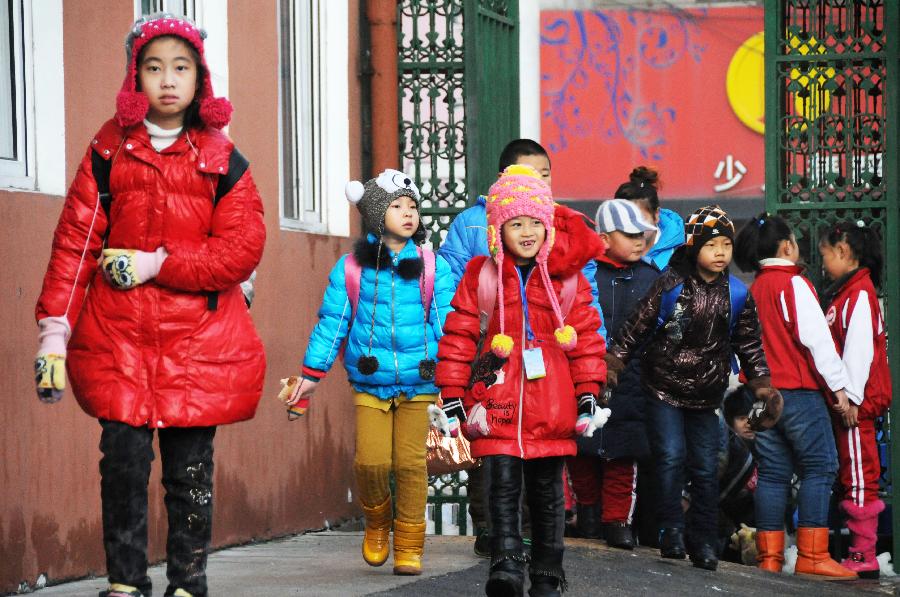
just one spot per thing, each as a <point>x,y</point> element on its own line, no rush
<point>546,582</point>
<point>587,521</point>
<point>618,534</point>
<point>704,556</point>
<point>543,481</point>
<point>671,543</point>
<point>507,576</point>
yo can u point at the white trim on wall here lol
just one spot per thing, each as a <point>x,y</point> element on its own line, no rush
<point>529,69</point>
<point>335,120</point>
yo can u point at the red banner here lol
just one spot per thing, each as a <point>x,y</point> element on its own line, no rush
<point>675,89</point>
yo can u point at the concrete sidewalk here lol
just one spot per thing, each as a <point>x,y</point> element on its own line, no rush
<point>329,564</point>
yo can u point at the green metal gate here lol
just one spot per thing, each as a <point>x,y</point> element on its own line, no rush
<point>832,108</point>
<point>459,105</point>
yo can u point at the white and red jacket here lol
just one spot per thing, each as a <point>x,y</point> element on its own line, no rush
<point>798,346</point>
<point>857,326</point>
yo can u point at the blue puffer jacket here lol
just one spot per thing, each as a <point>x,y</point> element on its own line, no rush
<point>625,434</point>
<point>671,237</point>
<point>467,238</point>
<point>399,324</point>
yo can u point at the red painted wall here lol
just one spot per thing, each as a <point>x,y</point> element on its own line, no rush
<point>272,477</point>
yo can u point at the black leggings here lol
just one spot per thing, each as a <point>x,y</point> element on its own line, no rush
<point>187,461</point>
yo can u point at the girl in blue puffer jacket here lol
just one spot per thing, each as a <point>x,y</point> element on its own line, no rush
<point>386,303</point>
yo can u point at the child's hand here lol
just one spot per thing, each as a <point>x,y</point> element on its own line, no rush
<point>125,268</point>
<point>455,415</point>
<point>476,424</point>
<point>851,417</point>
<point>841,402</point>
<point>295,393</point>
<point>767,409</point>
<point>613,367</point>
<point>50,376</point>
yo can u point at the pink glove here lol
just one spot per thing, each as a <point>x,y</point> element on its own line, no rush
<point>50,362</point>
<point>126,268</point>
<point>476,424</point>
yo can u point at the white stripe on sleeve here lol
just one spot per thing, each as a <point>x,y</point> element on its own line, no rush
<point>814,334</point>
<point>859,347</point>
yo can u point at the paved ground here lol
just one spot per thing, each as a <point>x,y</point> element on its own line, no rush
<point>329,564</point>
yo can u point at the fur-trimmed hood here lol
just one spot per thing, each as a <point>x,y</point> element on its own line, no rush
<point>366,252</point>
<point>575,243</point>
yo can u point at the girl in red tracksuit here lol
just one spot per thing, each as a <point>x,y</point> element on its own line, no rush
<point>536,378</point>
<point>803,363</point>
<point>851,256</point>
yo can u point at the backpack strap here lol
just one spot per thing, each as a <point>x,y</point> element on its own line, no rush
<point>487,294</point>
<point>352,275</point>
<point>568,293</point>
<point>667,305</point>
<point>427,279</point>
<point>237,165</point>
<point>737,294</point>
<point>101,169</point>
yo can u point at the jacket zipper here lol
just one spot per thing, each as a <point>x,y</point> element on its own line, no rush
<point>522,380</point>
<point>393,333</point>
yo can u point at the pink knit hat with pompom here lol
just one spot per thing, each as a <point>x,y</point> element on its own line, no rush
<point>132,105</point>
<point>520,191</point>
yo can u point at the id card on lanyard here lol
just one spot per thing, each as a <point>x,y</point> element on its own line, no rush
<point>532,358</point>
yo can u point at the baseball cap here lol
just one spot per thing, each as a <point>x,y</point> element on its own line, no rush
<point>621,215</point>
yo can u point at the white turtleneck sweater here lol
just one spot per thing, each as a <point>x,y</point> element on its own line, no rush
<point>161,138</point>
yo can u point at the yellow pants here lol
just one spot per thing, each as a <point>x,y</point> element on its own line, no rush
<point>390,435</point>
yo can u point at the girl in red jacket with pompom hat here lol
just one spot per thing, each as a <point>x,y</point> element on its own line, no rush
<point>536,378</point>
<point>163,340</point>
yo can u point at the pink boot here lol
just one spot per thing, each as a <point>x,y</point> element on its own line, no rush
<point>863,524</point>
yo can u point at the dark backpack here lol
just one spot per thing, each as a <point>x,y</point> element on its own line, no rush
<point>101,168</point>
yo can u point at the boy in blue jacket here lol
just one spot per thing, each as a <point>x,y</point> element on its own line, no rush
<point>387,301</point>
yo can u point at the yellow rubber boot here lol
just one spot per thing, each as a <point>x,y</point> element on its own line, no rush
<point>409,542</point>
<point>376,543</point>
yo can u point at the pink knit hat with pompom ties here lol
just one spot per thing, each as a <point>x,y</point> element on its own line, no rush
<point>520,191</point>
<point>132,105</point>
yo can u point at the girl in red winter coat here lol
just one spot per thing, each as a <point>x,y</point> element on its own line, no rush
<point>851,256</point>
<point>535,377</point>
<point>163,339</point>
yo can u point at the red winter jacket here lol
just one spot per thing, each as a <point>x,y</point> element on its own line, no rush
<point>528,419</point>
<point>156,355</point>
<point>857,326</point>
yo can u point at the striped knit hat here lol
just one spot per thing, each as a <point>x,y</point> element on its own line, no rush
<point>520,191</point>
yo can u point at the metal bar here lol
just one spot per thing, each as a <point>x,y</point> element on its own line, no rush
<point>773,102</point>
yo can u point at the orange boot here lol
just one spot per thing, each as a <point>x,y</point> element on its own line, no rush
<point>813,560</point>
<point>375,547</point>
<point>770,550</point>
<point>409,542</point>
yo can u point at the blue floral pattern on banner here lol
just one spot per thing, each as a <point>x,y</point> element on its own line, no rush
<point>599,44</point>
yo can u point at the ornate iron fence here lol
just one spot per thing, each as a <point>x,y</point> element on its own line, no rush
<point>832,140</point>
<point>459,105</point>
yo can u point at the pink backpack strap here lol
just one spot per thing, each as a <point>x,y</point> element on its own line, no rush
<point>352,274</point>
<point>487,293</point>
<point>567,294</point>
<point>427,280</point>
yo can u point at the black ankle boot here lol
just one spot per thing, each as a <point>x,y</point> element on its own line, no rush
<point>671,543</point>
<point>618,534</point>
<point>704,556</point>
<point>587,521</point>
<point>507,577</point>
<point>546,582</point>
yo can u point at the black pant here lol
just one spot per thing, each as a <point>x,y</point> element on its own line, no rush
<point>187,460</point>
<point>544,494</point>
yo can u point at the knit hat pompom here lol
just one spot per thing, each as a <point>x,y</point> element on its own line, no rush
<point>132,105</point>
<point>566,337</point>
<point>501,345</point>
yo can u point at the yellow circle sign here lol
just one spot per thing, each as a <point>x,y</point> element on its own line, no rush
<point>745,83</point>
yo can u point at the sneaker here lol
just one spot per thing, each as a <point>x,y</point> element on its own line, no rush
<point>120,590</point>
<point>181,593</point>
<point>482,542</point>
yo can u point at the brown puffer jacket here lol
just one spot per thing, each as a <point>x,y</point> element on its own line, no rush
<point>692,372</point>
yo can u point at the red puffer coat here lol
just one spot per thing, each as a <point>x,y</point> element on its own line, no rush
<point>528,418</point>
<point>156,355</point>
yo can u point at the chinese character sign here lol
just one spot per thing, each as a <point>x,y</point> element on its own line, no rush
<point>677,90</point>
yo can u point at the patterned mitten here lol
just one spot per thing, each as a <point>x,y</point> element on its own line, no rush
<point>50,362</point>
<point>126,268</point>
<point>455,414</point>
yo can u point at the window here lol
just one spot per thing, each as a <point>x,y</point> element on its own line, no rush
<point>184,8</point>
<point>32,119</point>
<point>314,166</point>
<point>14,121</point>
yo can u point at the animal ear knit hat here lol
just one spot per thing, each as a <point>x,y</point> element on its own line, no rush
<point>373,199</point>
<point>132,105</point>
<point>520,191</point>
<point>706,224</point>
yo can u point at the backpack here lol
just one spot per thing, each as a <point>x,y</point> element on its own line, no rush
<point>101,169</point>
<point>353,273</point>
<point>737,292</point>
<point>487,296</point>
